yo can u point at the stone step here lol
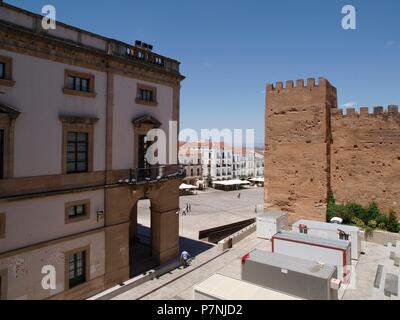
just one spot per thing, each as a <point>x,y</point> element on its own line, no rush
<point>391,285</point>
<point>378,276</point>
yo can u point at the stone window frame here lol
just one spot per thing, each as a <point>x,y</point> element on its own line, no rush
<point>86,216</point>
<point>141,126</point>
<point>4,286</point>
<point>7,123</point>
<point>77,124</point>
<point>141,86</point>
<point>8,81</point>
<point>2,225</point>
<point>90,77</point>
<point>67,255</point>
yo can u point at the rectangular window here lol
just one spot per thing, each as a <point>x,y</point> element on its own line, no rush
<point>77,269</point>
<point>2,70</point>
<point>78,84</point>
<point>77,211</point>
<point>2,155</point>
<point>3,284</point>
<point>146,95</point>
<point>77,152</point>
<point>2,225</point>
<point>6,71</point>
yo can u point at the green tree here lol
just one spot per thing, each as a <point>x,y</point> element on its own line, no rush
<point>345,213</point>
<point>358,211</point>
<point>331,207</point>
<point>392,222</point>
<point>373,212</point>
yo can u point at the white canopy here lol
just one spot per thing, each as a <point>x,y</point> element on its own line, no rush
<point>231,182</point>
<point>185,186</point>
<point>256,179</point>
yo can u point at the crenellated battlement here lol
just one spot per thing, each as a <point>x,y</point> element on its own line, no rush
<point>299,84</point>
<point>378,111</point>
<point>315,146</point>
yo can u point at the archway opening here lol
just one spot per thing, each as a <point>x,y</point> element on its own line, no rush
<point>141,257</point>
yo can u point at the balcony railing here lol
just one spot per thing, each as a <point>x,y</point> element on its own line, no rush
<point>153,174</point>
<point>69,34</point>
<point>144,56</point>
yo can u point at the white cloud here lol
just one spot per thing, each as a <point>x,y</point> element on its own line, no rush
<point>349,105</point>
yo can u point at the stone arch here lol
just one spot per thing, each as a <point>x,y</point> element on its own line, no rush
<point>121,203</point>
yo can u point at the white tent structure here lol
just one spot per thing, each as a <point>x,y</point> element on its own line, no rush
<point>257,180</point>
<point>185,186</point>
<point>229,185</point>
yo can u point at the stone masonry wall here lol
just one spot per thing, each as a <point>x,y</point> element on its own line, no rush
<point>297,148</point>
<point>366,157</point>
<point>313,148</point>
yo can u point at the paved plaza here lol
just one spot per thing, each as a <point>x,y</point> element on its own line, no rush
<point>211,208</point>
<point>216,208</point>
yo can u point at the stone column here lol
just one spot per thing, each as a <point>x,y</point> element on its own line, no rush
<point>117,254</point>
<point>118,203</point>
<point>165,235</point>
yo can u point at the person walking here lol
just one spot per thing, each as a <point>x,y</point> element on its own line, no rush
<point>187,208</point>
<point>185,258</point>
<point>238,195</point>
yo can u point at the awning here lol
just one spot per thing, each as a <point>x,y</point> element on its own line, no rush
<point>257,180</point>
<point>185,186</point>
<point>231,182</point>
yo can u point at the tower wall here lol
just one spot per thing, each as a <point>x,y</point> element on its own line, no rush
<point>297,157</point>
<point>313,148</point>
<point>366,157</point>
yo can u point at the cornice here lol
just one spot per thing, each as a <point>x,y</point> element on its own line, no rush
<point>24,41</point>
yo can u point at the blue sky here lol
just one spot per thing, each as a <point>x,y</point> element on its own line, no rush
<point>230,49</point>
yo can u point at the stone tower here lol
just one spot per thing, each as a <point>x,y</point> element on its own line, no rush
<point>298,147</point>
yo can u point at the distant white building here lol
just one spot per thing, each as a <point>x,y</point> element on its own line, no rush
<point>248,163</point>
<point>220,161</point>
<point>259,163</point>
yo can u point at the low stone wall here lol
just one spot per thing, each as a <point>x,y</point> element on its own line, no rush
<point>382,237</point>
<point>137,281</point>
<point>226,243</point>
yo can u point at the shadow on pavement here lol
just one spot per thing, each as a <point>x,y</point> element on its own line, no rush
<point>140,258</point>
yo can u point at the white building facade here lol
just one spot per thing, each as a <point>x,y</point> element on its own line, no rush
<point>74,110</point>
<point>220,161</point>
